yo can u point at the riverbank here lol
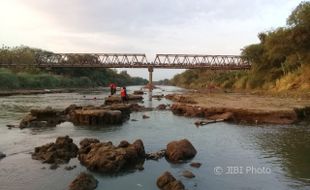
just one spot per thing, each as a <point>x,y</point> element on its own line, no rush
<point>241,107</point>
<point>39,91</point>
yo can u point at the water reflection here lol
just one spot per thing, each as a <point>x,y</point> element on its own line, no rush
<point>289,146</point>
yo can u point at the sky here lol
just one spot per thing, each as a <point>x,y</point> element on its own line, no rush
<point>140,26</point>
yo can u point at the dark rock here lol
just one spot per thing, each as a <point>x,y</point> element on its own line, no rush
<point>162,107</point>
<point>59,152</point>
<point>12,126</point>
<point>107,158</point>
<point>140,167</point>
<point>167,182</point>
<point>84,182</point>
<point>188,174</point>
<point>158,97</point>
<point>134,120</point>
<point>2,155</point>
<point>138,92</point>
<point>68,168</point>
<point>155,155</point>
<point>54,166</point>
<point>180,150</point>
<point>195,164</point>
<point>123,144</point>
<point>145,117</point>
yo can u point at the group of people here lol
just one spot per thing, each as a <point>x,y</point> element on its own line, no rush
<point>124,95</point>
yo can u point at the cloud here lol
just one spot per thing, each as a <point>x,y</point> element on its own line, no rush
<point>144,26</point>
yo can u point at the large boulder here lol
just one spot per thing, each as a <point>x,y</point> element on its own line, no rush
<point>181,150</point>
<point>167,182</point>
<point>56,153</point>
<point>107,158</point>
<point>84,181</point>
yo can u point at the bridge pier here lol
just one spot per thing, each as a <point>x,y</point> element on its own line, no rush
<point>150,85</point>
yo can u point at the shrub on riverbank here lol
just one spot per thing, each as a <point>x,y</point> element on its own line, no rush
<point>22,80</point>
<point>280,62</point>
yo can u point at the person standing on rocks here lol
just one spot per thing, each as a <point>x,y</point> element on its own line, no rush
<point>124,94</point>
<point>113,88</point>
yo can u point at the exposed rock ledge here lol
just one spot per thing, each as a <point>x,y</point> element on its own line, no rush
<point>241,107</point>
<point>236,115</point>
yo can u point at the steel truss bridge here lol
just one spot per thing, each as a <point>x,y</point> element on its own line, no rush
<point>119,60</point>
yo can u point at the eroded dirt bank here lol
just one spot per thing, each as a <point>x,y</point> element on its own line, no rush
<point>238,108</point>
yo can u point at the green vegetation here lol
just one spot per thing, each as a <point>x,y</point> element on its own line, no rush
<point>24,76</point>
<point>280,62</point>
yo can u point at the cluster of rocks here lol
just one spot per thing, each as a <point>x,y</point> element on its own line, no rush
<point>80,115</point>
<point>107,158</point>
<point>56,153</point>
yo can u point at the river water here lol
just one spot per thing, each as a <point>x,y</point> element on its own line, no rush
<point>232,156</point>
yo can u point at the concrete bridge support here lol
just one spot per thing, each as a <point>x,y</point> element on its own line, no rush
<point>150,85</point>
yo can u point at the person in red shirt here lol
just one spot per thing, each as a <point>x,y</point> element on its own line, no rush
<point>124,94</point>
<point>113,88</point>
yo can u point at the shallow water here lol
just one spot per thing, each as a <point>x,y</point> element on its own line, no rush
<point>232,156</point>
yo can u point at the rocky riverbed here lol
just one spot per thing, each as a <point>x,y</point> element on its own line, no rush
<point>77,146</point>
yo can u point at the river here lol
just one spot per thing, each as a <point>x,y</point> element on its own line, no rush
<point>232,156</point>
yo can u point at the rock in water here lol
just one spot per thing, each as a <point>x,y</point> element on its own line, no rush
<point>2,155</point>
<point>47,117</point>
<point>84,182</point>
<point>138,92</point>
<point>188,174</point>
<point>161,107</point>
<point>107,158</point>
<point>167,182</point>
<point>145,117</point>
<point>180,150</point>
<point>155,155</point>
<point>195,164</point>
<point>59,152</point>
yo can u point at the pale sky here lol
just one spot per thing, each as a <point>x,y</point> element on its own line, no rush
<point>140,26</point>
